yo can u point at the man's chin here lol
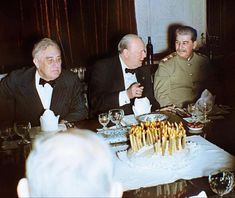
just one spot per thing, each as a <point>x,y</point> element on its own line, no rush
<point>182,55</point>
<point>55,76</point>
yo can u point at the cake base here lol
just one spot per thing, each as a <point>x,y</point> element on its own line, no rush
<point>146,158</point>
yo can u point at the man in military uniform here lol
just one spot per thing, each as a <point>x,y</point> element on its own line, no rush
<point>181,76</point>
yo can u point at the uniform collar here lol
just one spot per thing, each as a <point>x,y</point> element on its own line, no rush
<point>187,59</point>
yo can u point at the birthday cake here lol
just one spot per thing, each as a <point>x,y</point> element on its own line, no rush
<point>158,145</point>
<point>163,137</point>
<point>158,142</point>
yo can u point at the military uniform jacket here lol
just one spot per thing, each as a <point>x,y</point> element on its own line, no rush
<point>180,81</point>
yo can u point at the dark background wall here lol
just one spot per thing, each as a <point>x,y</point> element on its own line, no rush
<point>221,47</point>
<point>85,29</point>
<point>90,29</point>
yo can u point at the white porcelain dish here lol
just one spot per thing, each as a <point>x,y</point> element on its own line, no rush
<point>195,130</point>
<point>114,135</point>
<point>152,117</point>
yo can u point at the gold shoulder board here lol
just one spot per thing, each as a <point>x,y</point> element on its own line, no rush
<point>170,56</point>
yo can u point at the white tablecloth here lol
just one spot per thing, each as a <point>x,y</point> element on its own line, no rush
<point>208,157</point>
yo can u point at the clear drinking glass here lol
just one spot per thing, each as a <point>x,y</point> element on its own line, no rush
<point>116,116</point>
<point>22,129</point>
<point>205,108</point>
<point>221,182</point>
<point>6,132</point>
<point>193,110</point>
<point>103,120</point>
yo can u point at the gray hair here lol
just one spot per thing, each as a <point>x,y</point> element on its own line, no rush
<point>70,164</point>
<point>125,41</point>
<point>43,45</point>
<point>187,30</point>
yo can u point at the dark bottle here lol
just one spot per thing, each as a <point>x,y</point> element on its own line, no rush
<point>149,48</point>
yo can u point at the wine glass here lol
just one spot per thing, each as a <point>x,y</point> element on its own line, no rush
<point>22,129</point>
<point>221,182</point>
<point>193,110</point>
<point>103,120</point>
<point>6,132</point>
<point>116,116</point>
<point>205,107</point>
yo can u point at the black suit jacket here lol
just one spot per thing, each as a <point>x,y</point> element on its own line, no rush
<point>106,81</point>
<point>67,98</point>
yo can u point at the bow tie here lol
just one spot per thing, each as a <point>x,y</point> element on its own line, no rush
<point>43,82</point>
<point>132,71</point>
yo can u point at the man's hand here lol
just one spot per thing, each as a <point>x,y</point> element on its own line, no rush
<point>135,90</point>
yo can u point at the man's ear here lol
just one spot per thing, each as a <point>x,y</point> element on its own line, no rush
<point>116,190</point>
<point>125,53</point>
<point>23,188</point>
<point>36,63</point>
<point>194,44</point>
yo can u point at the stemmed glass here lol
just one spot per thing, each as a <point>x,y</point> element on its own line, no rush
<point>6,132</point>
<point>193,110</point>
<point>22,129</point>
<point>116,116</point>
<point>103,120</point>
<point>205,107</point>
<point>221,182</point>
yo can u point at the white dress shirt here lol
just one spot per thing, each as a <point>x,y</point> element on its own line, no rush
<point>44,92</point>
<point>129,79</point>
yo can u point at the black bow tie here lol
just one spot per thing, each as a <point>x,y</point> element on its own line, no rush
<point>43,82</point>
<point>132,71</point>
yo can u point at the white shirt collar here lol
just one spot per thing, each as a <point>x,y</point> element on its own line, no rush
<point>124,66</point>
<point>44,92</point>
<point>37,78</point>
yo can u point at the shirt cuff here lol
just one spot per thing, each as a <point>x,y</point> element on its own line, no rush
<point>123,98</point>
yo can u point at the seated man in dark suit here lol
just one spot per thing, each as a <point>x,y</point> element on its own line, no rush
<point>117,81</point>
<point>45,86</point>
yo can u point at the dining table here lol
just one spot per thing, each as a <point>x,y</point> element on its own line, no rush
<point>220,132</point>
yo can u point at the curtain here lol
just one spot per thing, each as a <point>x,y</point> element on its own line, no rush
<point>85,29</point>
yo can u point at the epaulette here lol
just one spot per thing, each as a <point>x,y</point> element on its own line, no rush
<point>200,54</point>
<point>170,56</point>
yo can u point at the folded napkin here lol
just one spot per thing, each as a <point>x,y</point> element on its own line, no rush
<point>48,121</point>
<point>141,106</point>
<point>200,195</point>
<point>206,100</point>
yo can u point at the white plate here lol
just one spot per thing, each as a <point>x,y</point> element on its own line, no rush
<point>152,117</point>
<point>114,135</point>
<point>195,130</point>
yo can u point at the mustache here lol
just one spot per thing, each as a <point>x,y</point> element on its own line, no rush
<point>181,50</point>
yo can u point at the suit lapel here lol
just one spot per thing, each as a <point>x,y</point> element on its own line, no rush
<point>140,76</point>
<point>119,74</point>
<point>58,93</point>
<point>28,88</point>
